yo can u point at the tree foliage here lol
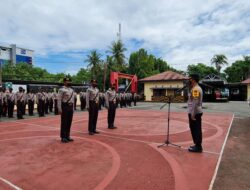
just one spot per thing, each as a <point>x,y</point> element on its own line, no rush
<point>117,58</point>
<point>143,64</point>
<point>239,71</point>
<point>94,61</point>
<point>219,60</point>
<point>201,69</point>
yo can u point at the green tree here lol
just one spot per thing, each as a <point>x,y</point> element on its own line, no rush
<point>202,69</point>
<point>117,51</point>
<point>94,60</point>
<point>82,76</point>
<point>239,70</point>
<point>219,60</point>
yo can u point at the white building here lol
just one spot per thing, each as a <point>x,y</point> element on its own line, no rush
<point>15,54</point>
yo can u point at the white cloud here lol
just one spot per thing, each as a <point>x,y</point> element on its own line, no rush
<point>183,32</point>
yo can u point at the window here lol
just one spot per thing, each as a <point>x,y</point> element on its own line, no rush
<point>159,92</point>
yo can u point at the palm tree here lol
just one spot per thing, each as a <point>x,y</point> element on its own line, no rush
<point>94,60</point>
<point>219,61</point>
<point>117,50</point>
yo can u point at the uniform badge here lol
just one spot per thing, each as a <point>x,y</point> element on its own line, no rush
<point>195,93</point>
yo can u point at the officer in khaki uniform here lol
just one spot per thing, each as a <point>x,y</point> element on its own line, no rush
<point>111,99</point>
<point>92,104</point>
<point>195,113</point>
<point>31,102</point>
<point>40,98</point>
<point>66,108</point>
<point>11,102</point>
<point>19,101</point>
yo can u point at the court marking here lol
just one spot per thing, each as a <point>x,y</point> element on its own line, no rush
<point>10,184</point>
<point>220,157</point>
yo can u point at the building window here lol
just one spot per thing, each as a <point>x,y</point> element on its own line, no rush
<point>159,92</point>
<point>23,51</point>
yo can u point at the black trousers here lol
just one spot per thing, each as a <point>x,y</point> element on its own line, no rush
<point>1,108</point>
<point>31,107</point>
<point>66,119</point>
<point>46,106</point>
<point>83,103</point>
<point>4,109</point>
<point>56,107</point>
<point>10,108</point>
<point>93,115</point>
<point>195,127</point>
<point>111,114</point>
<point>50,105</point>
<point>41,107</point>
<point>20,106</point>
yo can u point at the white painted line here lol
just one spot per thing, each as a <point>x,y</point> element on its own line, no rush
<point>10,184</point>
<point>220,157</point>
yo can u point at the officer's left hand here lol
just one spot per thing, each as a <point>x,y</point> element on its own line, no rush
<point>193,117</point>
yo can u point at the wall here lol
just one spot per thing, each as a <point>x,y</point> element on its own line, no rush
<point>148,91</point>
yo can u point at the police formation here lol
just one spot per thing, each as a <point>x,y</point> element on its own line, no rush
<point>63,101</point>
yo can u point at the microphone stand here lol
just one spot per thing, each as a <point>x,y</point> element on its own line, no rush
<point>167,142</point>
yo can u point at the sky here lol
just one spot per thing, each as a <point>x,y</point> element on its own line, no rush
<point>63,32</point>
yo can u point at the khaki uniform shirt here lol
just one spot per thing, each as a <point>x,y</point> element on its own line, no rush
<point>195,100</point>
<point>11,96</point>
<point>110,97</point>
<point>92,94</point>
<point>19,96</point>
<point>31,96</point>
<point>65,95</point>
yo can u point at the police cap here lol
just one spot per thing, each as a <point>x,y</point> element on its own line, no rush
<point>195,77</point>
<point>66,79</point>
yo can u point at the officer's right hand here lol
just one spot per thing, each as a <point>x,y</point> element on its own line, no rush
<point>59,112</point>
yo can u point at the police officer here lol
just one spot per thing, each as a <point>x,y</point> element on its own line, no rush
<point>111,99</point>
<point>40,98</point>
<point>19,100</point>
<point>66,109</point>
<point>50,100</point>
<point>5,106</point>
<point>31,101</point>
<point>195,113</point>
<point>11,102</point>
<point>92,104</point>
<point>54,97</point>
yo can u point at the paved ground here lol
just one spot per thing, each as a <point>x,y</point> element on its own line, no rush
<point>234,169</point>
<point>233,172</point>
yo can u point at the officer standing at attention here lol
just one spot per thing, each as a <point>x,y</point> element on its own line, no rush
<point>11,102</point>
<point>195,113</point>
<point>111,106</point>
<point>31,101</point>
<point>92,104</point>
<point>66,108</point>
<point>19,100</point>
<point>40,102</point>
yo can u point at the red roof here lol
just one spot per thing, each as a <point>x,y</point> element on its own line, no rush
<point>247,81</point>
<point>165,76</point>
